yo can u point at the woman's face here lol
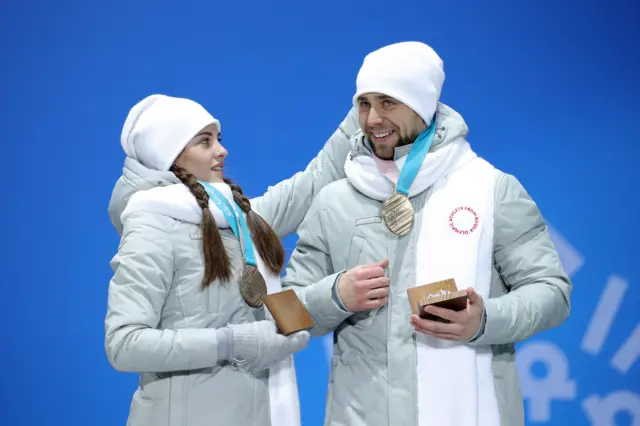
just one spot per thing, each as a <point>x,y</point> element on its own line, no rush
<point>204,156</point>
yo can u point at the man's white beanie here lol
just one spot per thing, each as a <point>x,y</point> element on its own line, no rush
<point>159,127</point>
<point>410,72</point>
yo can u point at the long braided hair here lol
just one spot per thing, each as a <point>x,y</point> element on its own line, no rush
<point>217,265</point>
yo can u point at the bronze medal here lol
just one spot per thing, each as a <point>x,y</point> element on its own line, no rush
<point>398,214</point>
<point>252,286</point>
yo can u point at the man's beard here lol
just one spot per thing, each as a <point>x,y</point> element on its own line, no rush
<point>386,153</point>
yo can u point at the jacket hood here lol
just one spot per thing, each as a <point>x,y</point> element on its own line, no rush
<point>135,178</point>
<point>451,126</point>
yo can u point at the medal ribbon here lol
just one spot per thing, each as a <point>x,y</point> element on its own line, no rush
<point>415,158</point>
<point>235,217</point>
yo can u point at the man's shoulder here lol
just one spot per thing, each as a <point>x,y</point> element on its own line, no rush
<point>505,184</point>
<point>507,187</point>
<point>516,213</point>
<point>341,188</point>
<point>509,194</point>
<point>340,202</point>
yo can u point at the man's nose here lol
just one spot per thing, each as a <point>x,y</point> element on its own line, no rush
<point>373,119</point>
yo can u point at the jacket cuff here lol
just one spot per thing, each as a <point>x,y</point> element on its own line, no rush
<point>223,337</point>
<point>335,295</point>
<point>483,323</point>
<point>494,326</point>
<point>326,311</point>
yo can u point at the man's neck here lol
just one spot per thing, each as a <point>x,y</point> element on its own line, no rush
<point>398,151</point>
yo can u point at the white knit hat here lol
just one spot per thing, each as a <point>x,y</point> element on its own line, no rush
<point>159,127</point>
<point>410,72</point>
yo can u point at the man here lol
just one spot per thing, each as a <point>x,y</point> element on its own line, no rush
<point>419,206</point>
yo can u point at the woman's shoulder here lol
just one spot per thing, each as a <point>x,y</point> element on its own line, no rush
<point>163,207</point>
<point>147,221</point>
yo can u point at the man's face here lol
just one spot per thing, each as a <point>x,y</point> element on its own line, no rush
<point>388,123</point>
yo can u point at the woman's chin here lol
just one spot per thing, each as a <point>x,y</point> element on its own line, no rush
<point>216,177</point>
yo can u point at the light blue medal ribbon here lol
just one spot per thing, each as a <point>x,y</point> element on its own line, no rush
<point>398,211</point>
<point>415,159</point>
<point>249,253</point>
<point>234,216</point>
<point>252,284</point>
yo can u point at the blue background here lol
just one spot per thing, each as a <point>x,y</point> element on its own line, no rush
<point>548,88</point>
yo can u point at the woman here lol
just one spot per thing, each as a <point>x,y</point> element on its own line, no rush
<point>184,305</point>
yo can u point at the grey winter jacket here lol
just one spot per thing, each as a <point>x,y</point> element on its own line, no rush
<point>160,324</point>
<point>373,369</point>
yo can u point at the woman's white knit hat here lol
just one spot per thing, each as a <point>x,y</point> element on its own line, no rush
<point>159,127</point>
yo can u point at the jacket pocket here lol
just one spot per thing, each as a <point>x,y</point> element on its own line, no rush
<point>141,412</point>
<point>368,220</point>
<point>150,404</point>
<point>358,382</point>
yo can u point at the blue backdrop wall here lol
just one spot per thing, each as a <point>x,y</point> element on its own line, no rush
<point>549,89</point>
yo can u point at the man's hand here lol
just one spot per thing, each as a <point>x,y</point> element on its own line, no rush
<point>462,326</point>
<point>364,287</point>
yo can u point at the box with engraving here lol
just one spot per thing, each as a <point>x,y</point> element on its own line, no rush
<point>444,294</point>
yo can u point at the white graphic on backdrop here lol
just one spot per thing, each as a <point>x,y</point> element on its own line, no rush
<point>604,315</point>
<point>603,411</point>
<point>628,353</point>
<point>557,384</point>
<point>602,321</point>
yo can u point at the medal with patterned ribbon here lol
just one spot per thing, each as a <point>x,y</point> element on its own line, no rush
<point>253,287</point>
<point>397,211</point>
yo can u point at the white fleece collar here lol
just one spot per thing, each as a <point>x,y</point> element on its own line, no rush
<point>363,173</point>
<point>176,201</point>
